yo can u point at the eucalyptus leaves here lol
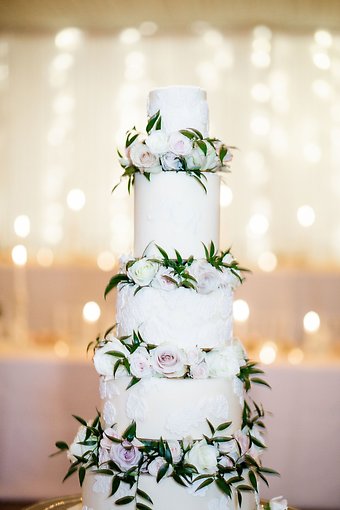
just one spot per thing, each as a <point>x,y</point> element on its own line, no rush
<point>157,270</point>
<point>182,151</point>
<point>230,461</point>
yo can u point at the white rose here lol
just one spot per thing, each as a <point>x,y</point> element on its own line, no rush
<point>239,352</point>
<point>200,371</point>
<point>229,278</point>
<point>278,503</point>
<point>140,363</point>
<point>142,271</point>
<point>207,277</point>
<point>157,142</point>
<point>176,450</point>
<point>155,466</point>
<point>195,159</point>
<point>104,363</point>
<point>168,360</point>
<point>142,157</point>
<point>203,457</point>
<point>211,160</point>
<point>195,356</point>
<point>170,161</point>
<point>165,279</point>
<point>154,169</point>
<point>180,144</point>
<point>77,449</point>
<point>222,363</point>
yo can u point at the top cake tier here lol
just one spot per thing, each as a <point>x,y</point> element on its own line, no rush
<point>181,107</point>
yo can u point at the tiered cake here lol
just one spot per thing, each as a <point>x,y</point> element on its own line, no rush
<point>176,429</point>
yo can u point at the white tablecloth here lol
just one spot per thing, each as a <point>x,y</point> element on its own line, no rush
<point>39,394</point>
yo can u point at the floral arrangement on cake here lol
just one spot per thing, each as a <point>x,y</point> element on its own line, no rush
<point>231,461</point>
<point>185,150</point>
<point>215,271</point>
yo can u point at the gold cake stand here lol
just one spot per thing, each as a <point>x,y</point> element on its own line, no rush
<point>67,502</point>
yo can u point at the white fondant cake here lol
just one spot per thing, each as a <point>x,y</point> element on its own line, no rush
<point>176,429</point>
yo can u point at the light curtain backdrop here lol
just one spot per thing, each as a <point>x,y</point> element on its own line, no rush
<point>67,101</point>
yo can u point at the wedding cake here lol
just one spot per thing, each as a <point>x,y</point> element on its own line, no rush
<point>176,428</point>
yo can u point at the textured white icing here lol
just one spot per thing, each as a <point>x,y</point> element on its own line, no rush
<point>163,495</point>
<point>173,211</point>
<point>109,413</point>
<point>181,107</point>
<point>174,408</point>
<point>182,316</point>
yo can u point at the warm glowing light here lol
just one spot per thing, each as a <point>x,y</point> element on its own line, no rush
<point>4,72</point>
<point>322,60</point>
<point>262,32</point>
<point>61,349</point>
<point>19,255</point>
<point>22,225</point>
<point>45,257</point>
<point>323,38</point>
<point>312,153</point>
<point>91,311</point>
<point>267,261</point>
<point>213,37</point>
<point>69,38</point>
<point>268,353</point>
<point>261,45</point>
<point>56,135</point>
<point>305,215</point>
<point>52,233</point>
<point>322,89</point>
<point>295,356</point>
<point>76,199</point>
<point>311,322</point>
<point>129,35</point>
<point>260,92</point>
<point>148,28</point>
<point>260,59</point>
<point>223,57</point>
<point>240,310</point>
<point>63,104</point>
<point>260,125</point>
<point>258,225</point>
<point>226,195</point>
<point>106,261</point>
<point>63,62</point>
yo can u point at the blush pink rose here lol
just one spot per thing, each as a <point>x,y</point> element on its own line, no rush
<point>125,455</point>
<point>168,360</point>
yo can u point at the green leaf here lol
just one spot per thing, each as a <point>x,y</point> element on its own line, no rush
<point>202,146</point>
<point>130,140</point>
<point>245,488</point>
<point>104,472</point>
<point>198,133</point>
<point>116,354</point>
<point>223,152</point>
<point>115,485</point>
<point>70,472</point>
<point>144,495</point>
<point>178,479</point>
<point>252,479</point>
<point>61,445</point>
<point>223,486</point>
<point>206,482</point>
<point>81,474</point>
<point>211,427</point>
<point>187,133</point>
<point>257,442</point>
<point>162,472</point>
<point>152,121</point>
<point>134,380</point>
<point>141,506</point>
<point>124,501</point>
<point>257,380</point>
<point>81,420</point>
<point>269,471</point>
<point>115,280</point>
<point>130,432</point>
<point>224,425</point>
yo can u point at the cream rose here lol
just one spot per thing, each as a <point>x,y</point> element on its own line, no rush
<point>278,503</point>
<point>203,457</point>
<point>157,142</point>
<point>104,363</point>
<point>238,351</point>
<point>195,356</point>
<point>207,277</point>
<point>168,360</point>
<point>140,363</point>
<point>195,159</point>
<point>125,455</point>
<point>176,450</point>
<point>180,144</point>
<point>165,279</point>
<point>222,362</point>
<point>199,371</point>
<point>142,157</point>
<point>170,161</point>
<point>156,465</point>
<point>142,272</point>
<point>211,160</point>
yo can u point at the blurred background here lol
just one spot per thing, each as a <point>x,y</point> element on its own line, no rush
<point>74,76</point>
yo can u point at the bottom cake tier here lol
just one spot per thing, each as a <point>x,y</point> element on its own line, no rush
<point>165,495</point>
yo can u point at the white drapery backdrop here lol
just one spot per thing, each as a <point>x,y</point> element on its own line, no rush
<point>67,101</point>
